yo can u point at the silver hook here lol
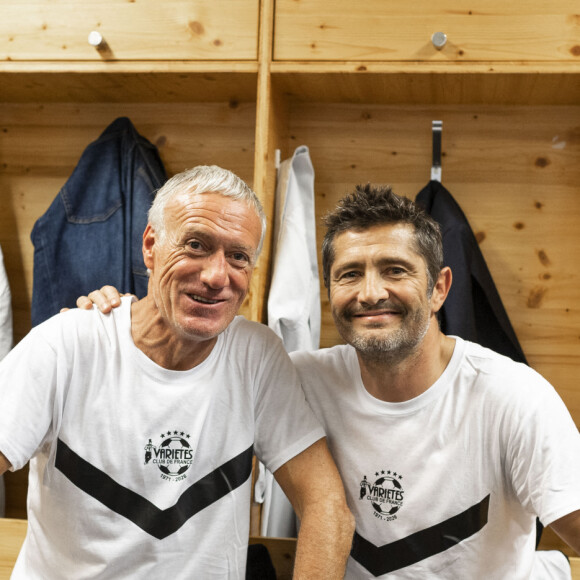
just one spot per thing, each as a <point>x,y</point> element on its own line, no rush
<point>437,129</point>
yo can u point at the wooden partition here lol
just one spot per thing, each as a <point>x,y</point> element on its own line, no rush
<point>358,85</point>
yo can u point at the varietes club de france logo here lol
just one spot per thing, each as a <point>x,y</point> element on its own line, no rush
<point>173,455</point>
<point>385,493</point>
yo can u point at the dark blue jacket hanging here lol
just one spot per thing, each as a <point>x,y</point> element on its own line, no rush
<point>473,310</point>
<point>91,234</point>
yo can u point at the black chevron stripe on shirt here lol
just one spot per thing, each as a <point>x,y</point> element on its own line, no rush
<point>156,522</point>
<point>379,560</point>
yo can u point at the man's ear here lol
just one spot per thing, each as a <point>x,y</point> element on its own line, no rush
<point>441,289</point>
<point>148,245</point>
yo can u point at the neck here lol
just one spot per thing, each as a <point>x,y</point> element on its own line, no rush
<point>401,379</point>
<point>152,335</point>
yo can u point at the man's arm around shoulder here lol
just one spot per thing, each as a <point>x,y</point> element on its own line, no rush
<point>314,487</point>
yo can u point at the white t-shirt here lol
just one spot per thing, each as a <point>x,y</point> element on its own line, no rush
<point>138,471</point>
<point>448,484</point>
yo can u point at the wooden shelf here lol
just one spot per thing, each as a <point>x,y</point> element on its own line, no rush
<point>128,82</point>
<point>342,82</point>
<point>429,83</point>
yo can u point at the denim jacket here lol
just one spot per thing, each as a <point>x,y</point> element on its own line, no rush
<point>91,234</point>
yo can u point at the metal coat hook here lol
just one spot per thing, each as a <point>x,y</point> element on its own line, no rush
<point>436,129</point>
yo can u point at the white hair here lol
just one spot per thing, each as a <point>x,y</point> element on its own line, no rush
<point>204,179</point>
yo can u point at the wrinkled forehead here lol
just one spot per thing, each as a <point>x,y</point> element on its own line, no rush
<point>214,214</point>
<point>186,205</point>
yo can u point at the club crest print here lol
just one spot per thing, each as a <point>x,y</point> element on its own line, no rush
<point>385,493</point>
<point>173,456</point>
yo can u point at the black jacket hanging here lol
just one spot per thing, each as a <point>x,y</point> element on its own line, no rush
<point>473,310</point>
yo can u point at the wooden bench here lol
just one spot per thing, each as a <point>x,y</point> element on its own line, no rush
<point>12,534</point>
<point>281,550</point>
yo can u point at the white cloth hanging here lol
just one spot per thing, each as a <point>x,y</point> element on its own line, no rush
<point>293,302</point>
<point>6,339</point>
<point>5,311</point>
<point>294,299</point>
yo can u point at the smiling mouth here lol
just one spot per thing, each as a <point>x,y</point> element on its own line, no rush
<point>372,313</point>
<point>203,300</point>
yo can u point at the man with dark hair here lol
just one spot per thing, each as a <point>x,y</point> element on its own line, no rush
<point>459,448</point>
<point>365,208</point>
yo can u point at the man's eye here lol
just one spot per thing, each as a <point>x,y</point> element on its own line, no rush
<point>348,275</point>
<point>240,257</point>
<point>194,245</point>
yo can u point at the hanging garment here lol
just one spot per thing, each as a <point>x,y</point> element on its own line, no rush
<point>473,310</point>
<point>5,339</point>
<point>92,233</point>
<point>293,302</point>
<point>5,311</point>
<point>294,298</point>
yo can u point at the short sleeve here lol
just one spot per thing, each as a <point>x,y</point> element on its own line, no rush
<point>543,453</point>
<point>284,422</point>
<point>27,397</point>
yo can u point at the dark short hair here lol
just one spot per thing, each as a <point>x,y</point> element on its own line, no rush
<point>370,206</point>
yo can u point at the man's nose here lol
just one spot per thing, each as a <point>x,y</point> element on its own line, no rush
<point>214,271</point>
<point>373,288</point>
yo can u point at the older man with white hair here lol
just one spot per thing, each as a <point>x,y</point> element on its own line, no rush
<point>141,426</point>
